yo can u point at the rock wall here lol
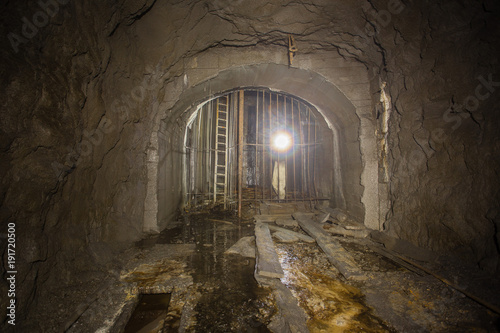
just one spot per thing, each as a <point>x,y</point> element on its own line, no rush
<point>86,89</point>
<point>72,175</point>
<point>443,77</point>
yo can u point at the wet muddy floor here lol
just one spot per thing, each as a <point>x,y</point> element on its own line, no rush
<point>222,294</point>
<point>228,296</point>
<point>230,300</point>
<point>331,304</point>
<point>184,280</point>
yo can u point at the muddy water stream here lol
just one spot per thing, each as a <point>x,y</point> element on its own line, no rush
<point>332,305</point>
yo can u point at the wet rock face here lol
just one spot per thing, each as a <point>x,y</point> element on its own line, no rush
<point>443,131</point>
<point>82,96</point>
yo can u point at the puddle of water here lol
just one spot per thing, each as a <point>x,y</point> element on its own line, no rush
<point>231,300</point>
<point>245,309</point>
<point>332,305</point>
<point>149,315</point>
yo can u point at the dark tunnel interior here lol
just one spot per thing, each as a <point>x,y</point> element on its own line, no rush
<point>250,166</point>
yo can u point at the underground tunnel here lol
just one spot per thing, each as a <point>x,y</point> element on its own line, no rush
<point>250,166</point>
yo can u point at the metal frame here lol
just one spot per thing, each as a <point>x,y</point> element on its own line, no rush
<point>224,118</point>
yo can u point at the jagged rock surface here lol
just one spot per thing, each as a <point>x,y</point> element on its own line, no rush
<point>80,99</point>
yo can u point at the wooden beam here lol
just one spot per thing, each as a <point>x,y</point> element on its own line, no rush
<point>240,150</point>
<point>267,262</point>
<point>300,236</point>
<point>293,317</point>
<point>271,218</point>
<point>336,254</point>
<point>339,230</point>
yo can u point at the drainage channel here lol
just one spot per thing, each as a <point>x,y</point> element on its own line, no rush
<point>149,314</point>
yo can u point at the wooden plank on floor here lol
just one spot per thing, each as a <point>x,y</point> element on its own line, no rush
<point>294,317</point>
<point>267,262</point>
<point>301,237</point>
<point>336,254</point>
<point>339,230</point>
<point>271,218</point>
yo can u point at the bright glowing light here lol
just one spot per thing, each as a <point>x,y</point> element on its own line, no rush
<point>282,141</point>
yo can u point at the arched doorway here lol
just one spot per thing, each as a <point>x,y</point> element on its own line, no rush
<point>347,188</point>
<point>256,144</point>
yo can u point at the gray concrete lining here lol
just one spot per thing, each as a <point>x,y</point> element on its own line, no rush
<point>335,107</point>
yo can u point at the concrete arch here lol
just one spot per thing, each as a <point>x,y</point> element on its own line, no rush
<point>335,107</point>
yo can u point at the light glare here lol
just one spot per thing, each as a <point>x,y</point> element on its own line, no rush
<point>282,141</point>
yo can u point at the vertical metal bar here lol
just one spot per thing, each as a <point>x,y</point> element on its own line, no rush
<point>240,151</point>
<point>301,151</point>
<point>192,137</point>
<point>205,176</point>
<point>315,163</point>
<point>286,154</point>
<point>293,153</point>
<point>256,143</point>
<point>263,171</point>
<point>278,153</point>
<point>308,155</point>
<point>201,153</point>
<point>235,147</point>
<point>214,241</point>
<point>230,151</point>
<point>199,158</point>
<point>195,160</point>
<point>212,146</point>
<point>194,143</point>
<point>213,143</point>
<point>208,147</point>
<point>191,164</point>
<point>188,167</point>
<point>216,149</point>
<point>197,152</point>
<point>270,149</point>
<point>206,139</point>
